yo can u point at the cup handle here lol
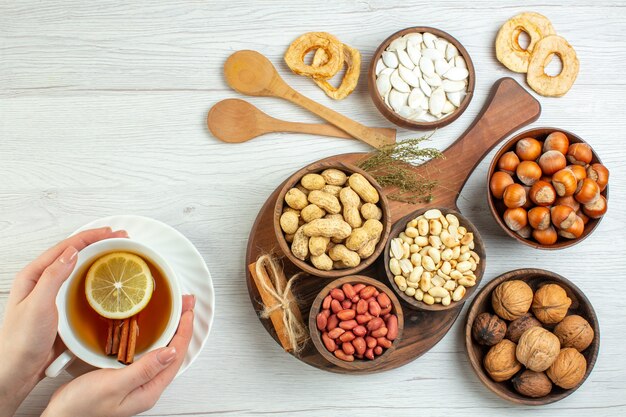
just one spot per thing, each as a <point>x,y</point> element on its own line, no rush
<point>59,364</point>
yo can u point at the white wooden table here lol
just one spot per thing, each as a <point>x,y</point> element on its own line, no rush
<point>102,111</point>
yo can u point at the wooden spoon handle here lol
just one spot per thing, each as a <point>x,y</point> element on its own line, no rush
<point>373,137</point>
<point>319,129</point>
<point>508,107</point>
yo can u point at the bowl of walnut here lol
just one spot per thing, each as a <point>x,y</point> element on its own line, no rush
<point>331,219</point>
<point>532,336</point>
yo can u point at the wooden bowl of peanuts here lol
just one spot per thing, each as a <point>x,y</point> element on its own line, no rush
<point>434,259</point>
<point>364,332</point>
<point>331,219</point>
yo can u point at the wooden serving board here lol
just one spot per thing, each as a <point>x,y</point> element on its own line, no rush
<point>508,108</point>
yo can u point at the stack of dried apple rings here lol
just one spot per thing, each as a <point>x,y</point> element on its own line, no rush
<point>330,55</point>
<point>544,42</point>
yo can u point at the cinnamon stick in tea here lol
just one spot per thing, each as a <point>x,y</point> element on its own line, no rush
<point>133,333</point>
<point>121,353</point>
<point>116,337</point>
<point>108,349</point>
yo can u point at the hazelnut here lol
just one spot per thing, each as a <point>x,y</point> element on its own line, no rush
<point>517,327</point>
<point>562,216</point>
<point>500,362</point>
<point>579,171</point>
<point>568,369</point>
<point>569,201</point>
<point>537,349</point>
<point>508,163</point>
<point>546,237</point>
<point>542,193</point>
<point>488,329</point>
<point>514,196</point>
<point>579,154</point>
<point>515,218</point>
<point>588,191</point>
<point>575,230</point>
<point>575,332</point>
<point>525,232</point>
<point>498,183</point>
<point>550,304</point>
<point>539,218</point>
<point>529,172</point>
<point>596,209</point>
<point>551,162</point>
<point>565,182</point>
<point>532,384</point>
<point>528,149</point>
<point>556,141</point>
<point>512,299</point>
<point>599,173</point>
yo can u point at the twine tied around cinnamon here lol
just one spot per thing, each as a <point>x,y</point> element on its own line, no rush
<point>295,329</point>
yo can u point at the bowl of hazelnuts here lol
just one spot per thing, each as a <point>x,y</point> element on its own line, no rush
<point>547,188</point>
<point>532,336</point>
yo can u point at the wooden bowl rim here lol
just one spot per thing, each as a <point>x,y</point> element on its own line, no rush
<point>316,335</point>
<point>479,242</point>
<point>394,117</point>
<point>503,391</point>
<point>317,167</point>
<point>561,243</point>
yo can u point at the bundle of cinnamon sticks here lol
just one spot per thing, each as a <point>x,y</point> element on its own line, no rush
<point>122,339</point>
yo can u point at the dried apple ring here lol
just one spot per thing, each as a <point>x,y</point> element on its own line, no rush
<point>548,85</point>
<point>352,58</point>
<point>508,50</point>
<point>294,57</point>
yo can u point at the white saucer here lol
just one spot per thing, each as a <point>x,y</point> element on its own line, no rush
<point>184,258</point>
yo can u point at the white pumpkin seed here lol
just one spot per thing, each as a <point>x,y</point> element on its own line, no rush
<point>427,117</point>
<point>451,51</point>
<point>455,97</point>
<point>418,114</point>
<point>441,66</point>
<point>397,99</point>
<point>434,81</point>
<point>437,101</point>
<point>406,112</point>
<point>413,50</point>
<point>424,102</point>
<point>432,54</point>
<point>456,74</point>
<point>415,38</point>
<point>383,84</point>
<point>397,44</point>
<point>417,71</point>
<point>380,65</point>
<point>404,59</point>
<point>427,66</point>
<point>398,83</point>
<point>448,107</point>
<point>450,86</point>
<point>429,39</point>
<point>415,97</point>
<point>459,62</point>
<point>390,59</point>
<point>441,45</point>
<point>408,76</point>
<point>425,87</point>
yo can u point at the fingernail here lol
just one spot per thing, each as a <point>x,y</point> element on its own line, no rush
<point>68,255</point>
<point>166,355</point>
<point>122,233</point>
<point>193,301</point>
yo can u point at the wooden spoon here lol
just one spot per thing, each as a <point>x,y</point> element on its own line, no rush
<point>251,73</point>
<point>236,121</point>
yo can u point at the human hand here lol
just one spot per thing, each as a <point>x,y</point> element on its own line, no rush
<point>28,337</point>
<point>127,391</point>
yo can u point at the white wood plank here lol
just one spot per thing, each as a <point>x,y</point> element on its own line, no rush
<point>102,109</point>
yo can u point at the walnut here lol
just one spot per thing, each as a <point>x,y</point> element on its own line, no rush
<point>500,361</point>
<point>550,304</point>
<point>568,369</point>
<point>537,349</point>
<point>532,384</point>
<point>518,326</point>
<point>574,331</point>
<point>488,329</point>
<point>512,299</point>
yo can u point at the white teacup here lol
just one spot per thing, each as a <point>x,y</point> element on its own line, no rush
<point>75,347</point>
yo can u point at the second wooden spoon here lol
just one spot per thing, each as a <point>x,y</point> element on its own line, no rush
<point>235,121</point>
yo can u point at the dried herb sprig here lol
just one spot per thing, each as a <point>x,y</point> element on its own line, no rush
<point>392,166</point>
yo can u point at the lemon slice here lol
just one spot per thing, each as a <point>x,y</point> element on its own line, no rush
<point>119,285</point>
